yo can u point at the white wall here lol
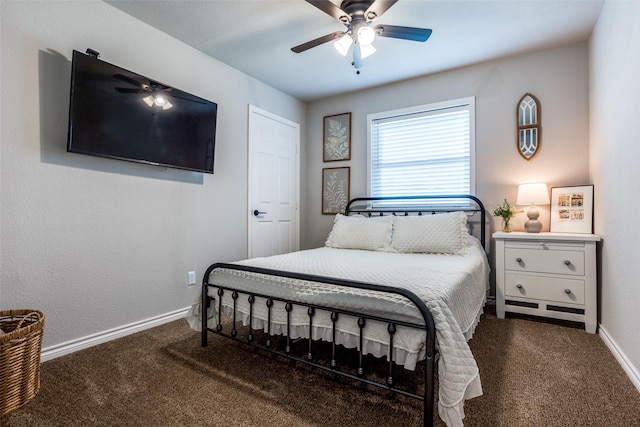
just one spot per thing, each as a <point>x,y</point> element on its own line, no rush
<point>98,243</point>
<point>557,77</point>
<point>615,150</point>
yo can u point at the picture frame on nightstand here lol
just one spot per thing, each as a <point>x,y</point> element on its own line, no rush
<point>572,209</point>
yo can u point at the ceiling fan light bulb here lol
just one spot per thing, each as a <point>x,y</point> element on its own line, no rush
<point>343,44</point>
<point>366,35</point>
<point>367,50</point>
<point>160,100</point>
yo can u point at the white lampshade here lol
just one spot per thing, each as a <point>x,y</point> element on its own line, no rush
<point>160,100</point>
<point>366,35</point>
<point>367,50</point>
<point>343,44</point>
<point>533,194</point>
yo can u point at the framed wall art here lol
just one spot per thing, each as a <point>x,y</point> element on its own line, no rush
<point>335,189</point>
<point>336,137</point>
<point>572,209</point>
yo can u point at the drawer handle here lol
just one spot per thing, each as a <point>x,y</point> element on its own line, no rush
<point>567,262</point>
<point>518,260</point>
<point>567,291</point>
<point>519,286</point>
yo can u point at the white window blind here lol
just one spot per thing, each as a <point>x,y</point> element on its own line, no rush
<point>427,150</point>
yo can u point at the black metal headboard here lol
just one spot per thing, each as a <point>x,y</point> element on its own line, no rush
<point>420,205</point>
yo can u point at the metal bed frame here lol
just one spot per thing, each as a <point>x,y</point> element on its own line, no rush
<point>368,206</point>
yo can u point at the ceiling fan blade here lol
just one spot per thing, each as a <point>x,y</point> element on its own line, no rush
<point>154,85</point>
<point>128,80</point>
<point>406,33</point>
<point>378,7</point>
<point>317,42</point>
<point>185,98</point>
<point>129,90</point>
<point>331,9</point>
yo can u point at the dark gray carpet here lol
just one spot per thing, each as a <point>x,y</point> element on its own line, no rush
<point>533,374</point>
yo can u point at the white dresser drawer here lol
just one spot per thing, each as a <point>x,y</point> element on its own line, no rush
<point>548,274</point>
<point>560,290</point>
<point>545,261</point>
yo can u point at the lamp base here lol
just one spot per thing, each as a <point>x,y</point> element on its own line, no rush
<point>533,225</point>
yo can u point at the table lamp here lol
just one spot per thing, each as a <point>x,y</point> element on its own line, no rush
<point>533,194</point>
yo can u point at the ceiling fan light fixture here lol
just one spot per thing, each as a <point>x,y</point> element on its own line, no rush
<point>157,100</point>
<point>343,44</point>
<point>367,50</point>
<point>358,16</point>
<point>366,35</point>
<point>161,101</point>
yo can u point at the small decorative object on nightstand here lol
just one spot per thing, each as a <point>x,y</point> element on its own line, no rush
<point>506,211</point>
<point>533,194</point>
<point>547,274</point>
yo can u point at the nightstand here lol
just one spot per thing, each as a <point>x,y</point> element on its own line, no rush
<point>547,274</point>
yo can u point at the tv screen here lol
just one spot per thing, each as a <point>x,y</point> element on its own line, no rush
<point>122,115</point>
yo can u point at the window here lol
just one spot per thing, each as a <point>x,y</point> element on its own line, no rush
<point>425,150</point>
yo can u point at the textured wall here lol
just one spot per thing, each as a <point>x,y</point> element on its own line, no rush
<point>557,77</point>
<point>98,243</point>
<point>615,150</point>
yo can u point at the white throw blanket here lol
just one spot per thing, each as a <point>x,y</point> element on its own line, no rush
<point>452,287</point>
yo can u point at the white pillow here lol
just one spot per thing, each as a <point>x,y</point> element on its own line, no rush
<point>439,233</point>
<point>359,232</point>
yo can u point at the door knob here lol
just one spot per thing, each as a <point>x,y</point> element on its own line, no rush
<point>257,212</point>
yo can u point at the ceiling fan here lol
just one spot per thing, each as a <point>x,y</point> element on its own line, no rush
<point>358,17</point>
<point>158,93</point>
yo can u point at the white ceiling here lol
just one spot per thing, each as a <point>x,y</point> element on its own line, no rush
<point>256,36</point>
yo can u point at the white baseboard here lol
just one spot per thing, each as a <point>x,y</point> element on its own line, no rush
<point>69,347</point>
<point>623,360</point>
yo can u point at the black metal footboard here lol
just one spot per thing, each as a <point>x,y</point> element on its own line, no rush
<point>428,327</point>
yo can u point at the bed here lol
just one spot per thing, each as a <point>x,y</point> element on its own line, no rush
<point>403,279</point>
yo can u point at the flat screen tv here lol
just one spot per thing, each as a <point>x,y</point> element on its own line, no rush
<point>122,115</point>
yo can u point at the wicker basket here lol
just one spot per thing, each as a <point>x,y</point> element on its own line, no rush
<point>20,346</point>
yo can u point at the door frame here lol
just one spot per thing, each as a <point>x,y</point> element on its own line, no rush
<point>253,110</point>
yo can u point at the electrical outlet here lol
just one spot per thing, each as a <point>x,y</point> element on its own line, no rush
<point>191,278</point>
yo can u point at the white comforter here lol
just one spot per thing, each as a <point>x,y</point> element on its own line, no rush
<point>452,287</point>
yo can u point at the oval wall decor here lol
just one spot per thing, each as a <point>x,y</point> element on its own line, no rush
<point>528,115</point>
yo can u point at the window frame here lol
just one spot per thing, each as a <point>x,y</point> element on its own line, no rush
<point>460,102</point>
